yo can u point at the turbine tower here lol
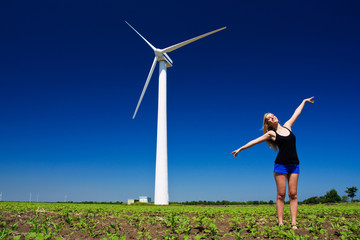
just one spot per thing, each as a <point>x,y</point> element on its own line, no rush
<point>161,196</point>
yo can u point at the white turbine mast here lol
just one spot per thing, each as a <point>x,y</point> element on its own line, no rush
<point>161,196</point>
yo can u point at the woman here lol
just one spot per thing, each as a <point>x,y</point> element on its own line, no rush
<point>287,163</point>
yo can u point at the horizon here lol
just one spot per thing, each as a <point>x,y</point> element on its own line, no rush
<point>246,202</point>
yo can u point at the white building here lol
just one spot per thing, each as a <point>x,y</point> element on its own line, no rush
<point>145,199</point>
<point>132,201</point>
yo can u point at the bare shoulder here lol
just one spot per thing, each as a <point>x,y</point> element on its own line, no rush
<point>287,125</point>
<point>271,134</point>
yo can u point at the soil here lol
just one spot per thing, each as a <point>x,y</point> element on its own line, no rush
<point>134,228</point>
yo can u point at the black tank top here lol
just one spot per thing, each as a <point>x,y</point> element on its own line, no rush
<point>287,149</point>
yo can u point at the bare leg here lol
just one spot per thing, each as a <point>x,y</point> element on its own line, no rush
<point>280,180</point>
<point>293,182</point>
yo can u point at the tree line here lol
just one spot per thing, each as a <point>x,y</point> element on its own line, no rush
<point>333,197</point>
<point>330,197</point>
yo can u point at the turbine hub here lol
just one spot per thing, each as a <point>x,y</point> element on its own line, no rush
<point>158,53</point>
<point>161,57</point>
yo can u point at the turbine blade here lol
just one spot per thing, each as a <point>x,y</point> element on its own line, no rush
<point>179,45</point>
<point>168,58</point>
<point>146,85</point>
<point>153,48</point>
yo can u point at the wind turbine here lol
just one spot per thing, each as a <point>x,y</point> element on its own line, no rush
<point>161,196</point>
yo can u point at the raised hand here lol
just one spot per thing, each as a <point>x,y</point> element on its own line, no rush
<point>310,100</point>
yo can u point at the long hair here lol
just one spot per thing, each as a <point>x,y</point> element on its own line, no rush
<point>265,129</point>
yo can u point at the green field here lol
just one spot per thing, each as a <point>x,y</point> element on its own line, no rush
<point>110,221</point>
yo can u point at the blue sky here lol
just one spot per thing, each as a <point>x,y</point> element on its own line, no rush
<point>71,74</point>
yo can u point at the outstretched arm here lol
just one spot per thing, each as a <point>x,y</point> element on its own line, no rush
<point>267,136</point>
<point>297,112</point>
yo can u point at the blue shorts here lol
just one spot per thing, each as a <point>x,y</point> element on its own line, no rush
<point>286,168</point>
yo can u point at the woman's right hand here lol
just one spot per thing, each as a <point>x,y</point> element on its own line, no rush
<point>236,152</point>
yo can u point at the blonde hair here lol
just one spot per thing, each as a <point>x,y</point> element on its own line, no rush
<point>265,129</point>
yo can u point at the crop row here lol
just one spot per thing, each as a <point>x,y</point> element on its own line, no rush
<point>79,221</point>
